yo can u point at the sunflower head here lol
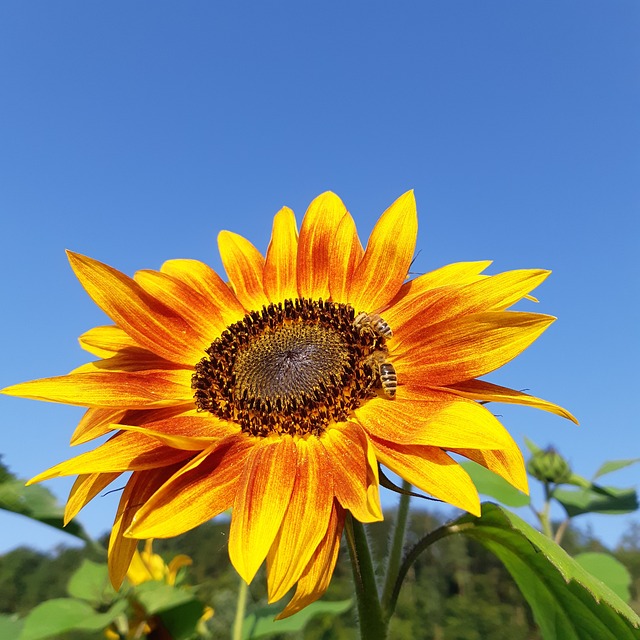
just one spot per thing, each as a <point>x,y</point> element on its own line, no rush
<point>278,391</point>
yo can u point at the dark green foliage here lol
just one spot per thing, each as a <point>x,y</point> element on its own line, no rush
<point>457,590</point>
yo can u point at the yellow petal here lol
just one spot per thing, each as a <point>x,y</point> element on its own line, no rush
<point>346,254</point>
<point>317,233</point>
<point>507,463</point>
<point>488,392</point>
<point>151,324</point>
<point>439,420</point>
<point>262,499</point>
<point>386,260</point>
<point>192,430</point>
<point>487,293</point>
<point>348,452</point>
<point>117,390</point>
<point>199,491</point>
<point>317,575</point>
<point>107,340</point>
<point>123,452</point>
<point>205,281</point>
<point>467,347</point>
<point>304,524</point>
<point>244,265</point>
<point>431,470</point>
<point>96,422</point>
<point>200,311</point>
<point>280,279</point>
<point>141,485</point>
<point>86,488</point>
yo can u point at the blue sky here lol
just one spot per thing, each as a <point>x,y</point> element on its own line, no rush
<point>134,132</point>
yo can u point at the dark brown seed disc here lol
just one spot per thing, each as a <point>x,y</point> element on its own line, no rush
<point>290,368</point>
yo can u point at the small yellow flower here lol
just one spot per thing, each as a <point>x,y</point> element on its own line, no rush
<point>147,565</point>
<point>278,392</point>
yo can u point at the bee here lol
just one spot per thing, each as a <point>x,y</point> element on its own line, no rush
<point>387,373</point>
<point>374,323</point>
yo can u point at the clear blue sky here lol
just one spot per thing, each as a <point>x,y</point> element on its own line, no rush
<point>134,131</point>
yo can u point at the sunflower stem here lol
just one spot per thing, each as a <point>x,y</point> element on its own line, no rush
<point>373,624</point>
<point>544,515</point>
<point>397,544</point>
<point>241,607</point>
<point>420,546</point>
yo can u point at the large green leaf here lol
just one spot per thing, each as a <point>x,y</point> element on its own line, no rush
<point>37,503</point>
<point>492,485</point>
<point>568,603</point>
<point>614,465</point>
<point>157,596</point>
<point>91,583</point>
<point>597,500</point>
<point>61,615</point>
<point>260,623</point>
<point>181,622</point>
<point>10,627</point>
<point>611,571</point>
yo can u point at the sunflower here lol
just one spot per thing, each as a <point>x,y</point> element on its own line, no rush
<point>278,393</point>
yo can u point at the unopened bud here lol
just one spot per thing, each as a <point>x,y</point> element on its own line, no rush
<point>549,466</point>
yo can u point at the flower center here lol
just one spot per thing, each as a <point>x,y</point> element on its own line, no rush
<point>293,367</point>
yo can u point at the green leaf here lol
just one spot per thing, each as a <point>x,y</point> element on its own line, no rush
<point>37,503</point>
<point>606,568</point>
<point>10,627</point>
<point>91,583</point>
<point>181,622</point>
<point>533,448</point>
<point>597,500</point>
<point>260,623</point>
<point>614,465</point>
<point>492,485</point>
<point>158,596</point>
<point>568,603</point>
<point>55,617</point>
<point>579,481</point>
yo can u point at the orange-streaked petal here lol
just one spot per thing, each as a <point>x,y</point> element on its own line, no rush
<point>304,524</point>
<point>346,254</point>
<point>440,420</point>
<point>140,487</point>
<point>386,260</point>
<point>280,278</point>
<point>193,430</point>
<point>204,280</point>
<point>117,390</point>
<point>151,324</point>
<point>317,235</point>
<point>432,470</point>
<point>200,311</point>
<point>86,487</point>
<point>316,577</point>
<point>456,274</point>
<point>129,359</point>
<point>199,491</point>
<point>261,501</point>
<point>482,390</point>
<point>244,265</point>
<point>348,450</point>
<point>488,293</point>
<point>508,463</point>
<point>467,347</point>
<point>94,423</point>
<point>107,340</point>
<point>123,452</point>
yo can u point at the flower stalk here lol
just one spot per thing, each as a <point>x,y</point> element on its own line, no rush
<point>373,624</point>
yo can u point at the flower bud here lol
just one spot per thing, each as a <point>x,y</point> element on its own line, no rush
<point>549,466</point>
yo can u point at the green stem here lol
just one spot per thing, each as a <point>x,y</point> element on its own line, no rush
<point>544,514</point>
<point>427,541</point>
<point>241,607</point>
<point>397,544</point>
<point>373,625</point>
